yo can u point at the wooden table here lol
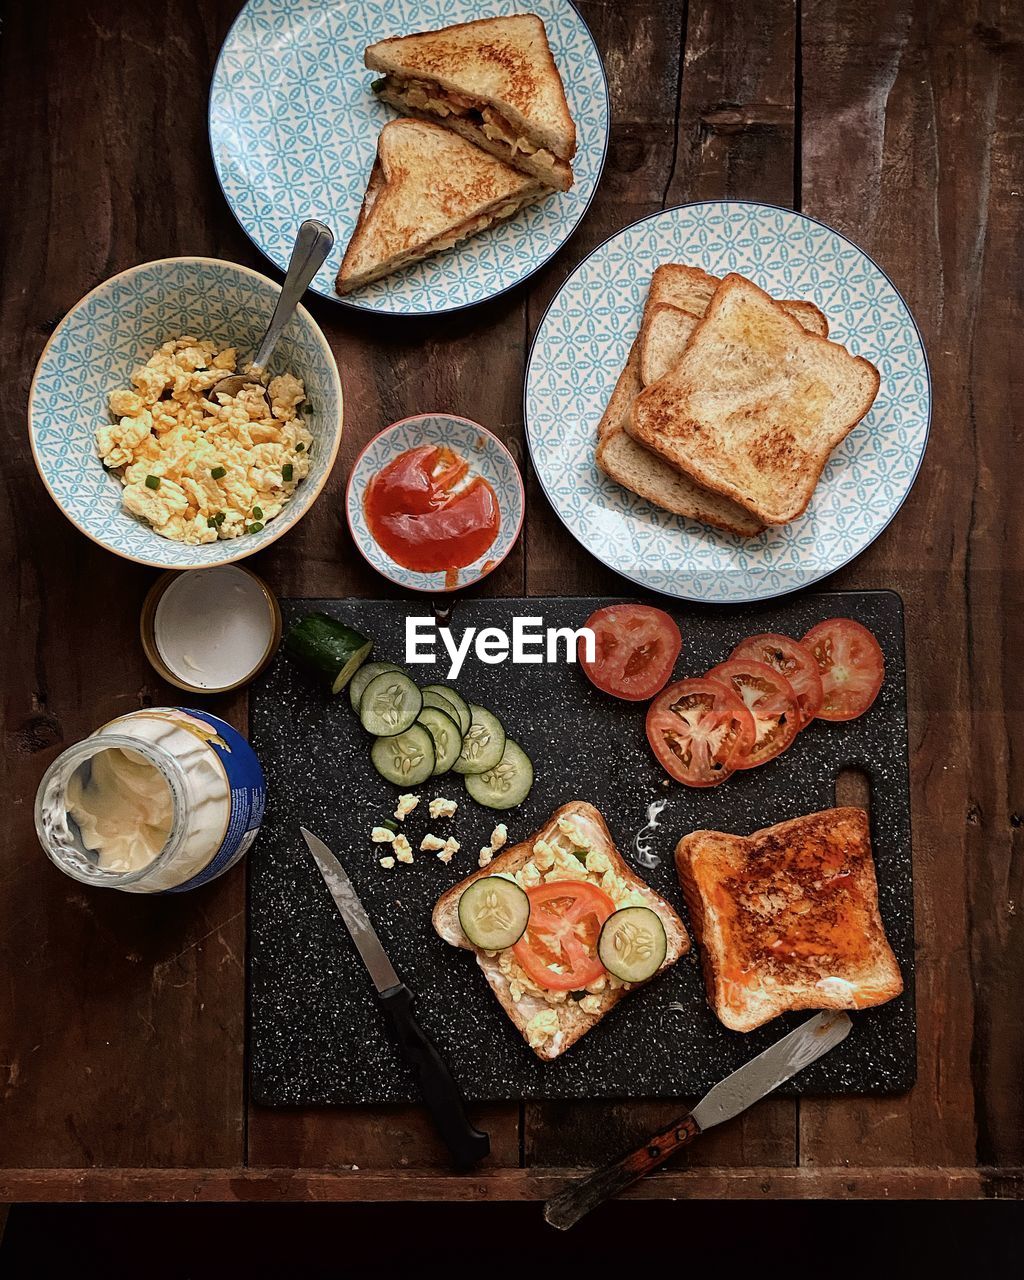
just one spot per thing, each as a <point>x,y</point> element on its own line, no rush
<point>122,1071</point>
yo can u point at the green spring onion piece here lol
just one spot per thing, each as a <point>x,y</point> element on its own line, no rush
<point>211,522</point>
<point>152,482</point>
<point>256,527</point>
<point>390,823</point>
<point>287,471</point>
<point>219,517</point>
<point>219,472</point>
<point>300,447</point>
<point>257,513</point>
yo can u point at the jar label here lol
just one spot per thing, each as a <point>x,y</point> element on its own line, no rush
<point>248,797</point>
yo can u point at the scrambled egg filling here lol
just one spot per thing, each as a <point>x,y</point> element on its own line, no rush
<point>566,856</point>
<point>198,469</point>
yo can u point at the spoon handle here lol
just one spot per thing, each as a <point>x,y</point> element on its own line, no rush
<point>312,245</point>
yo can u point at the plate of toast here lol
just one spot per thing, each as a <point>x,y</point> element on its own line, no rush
<point>452,148</point>
<point>727,401</point>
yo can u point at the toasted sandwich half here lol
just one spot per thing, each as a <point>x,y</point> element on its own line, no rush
<point>788,918</point>
<point>494,82</point>
<point>429,189</point>
<point>573,845</point>
<point>755,405</point>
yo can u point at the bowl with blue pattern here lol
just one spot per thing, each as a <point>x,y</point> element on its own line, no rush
<point>116,328</point>
<point>582,344</point>
<point>485,455</point>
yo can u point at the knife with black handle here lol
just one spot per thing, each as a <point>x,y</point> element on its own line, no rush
<point>442,1095</point>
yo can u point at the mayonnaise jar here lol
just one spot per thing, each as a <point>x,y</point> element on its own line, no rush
<point>157,801</point>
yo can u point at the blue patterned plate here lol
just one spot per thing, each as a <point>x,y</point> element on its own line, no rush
<point>582,344</point>
<point>117,327</point>
<point>294,125</point>
<point>486,456</point>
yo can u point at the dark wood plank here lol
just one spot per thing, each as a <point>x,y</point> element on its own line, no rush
<point>121,1017</point>
<point>278,1185</point>
<point>729,110</point>
<point>923,103</point>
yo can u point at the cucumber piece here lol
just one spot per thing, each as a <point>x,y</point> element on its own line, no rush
<point>432,699</point>
<point>633,945</point>
<point>328,648</point>
<point>482,744</point>
<point>389,705</point>
<point>494,913</point>
<point>446,734</point>
<point>406,758</point>
<point>458,702</point>
<point>507,784</point>
<point>363,677</point>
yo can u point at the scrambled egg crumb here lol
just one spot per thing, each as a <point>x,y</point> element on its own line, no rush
<point>486,854</point>
<point>442,808</point>
<point>431,843</point>
<point>198,469</point>
<point>403,849</point>
<point>499,836</point>
<point>382,835</point>
<point>406,804</point>
<point>387,863</point>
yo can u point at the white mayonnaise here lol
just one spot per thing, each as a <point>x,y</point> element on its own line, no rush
<point>123,808</point>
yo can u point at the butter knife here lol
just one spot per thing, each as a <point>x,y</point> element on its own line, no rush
<point>747,1085</point>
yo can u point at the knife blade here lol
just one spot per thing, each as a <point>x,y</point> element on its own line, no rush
<point>440,1091</point>
<point>747,1085</point>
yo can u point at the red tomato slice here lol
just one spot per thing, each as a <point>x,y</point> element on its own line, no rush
<point>565,923</point>
<point>700,731</point>
<point>770,699</point>
<point>851,665</point>
<point>635,649</point>
<point>791,659</point>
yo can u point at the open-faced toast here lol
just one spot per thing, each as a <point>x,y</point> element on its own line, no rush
<point>788,918</point>
<point>574,844</point>
<point>755,405</point>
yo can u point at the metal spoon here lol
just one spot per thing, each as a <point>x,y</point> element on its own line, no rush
<point>312,245</point>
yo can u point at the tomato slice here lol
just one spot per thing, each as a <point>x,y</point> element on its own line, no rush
<point>770,699</point>
<point>635,649</point>
<point>700,731</point>
<point>791,659</point>
<point>851,666</point>
<point>565,923</point>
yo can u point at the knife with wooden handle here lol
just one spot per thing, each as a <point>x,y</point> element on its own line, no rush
<point>440,1091</point>
<point>747,1085</point>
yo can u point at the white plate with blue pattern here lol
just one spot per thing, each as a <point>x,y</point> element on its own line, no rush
<point>117,327</point>
<point>294,125</point>
<point>486,456</point>
<point>581,347</point>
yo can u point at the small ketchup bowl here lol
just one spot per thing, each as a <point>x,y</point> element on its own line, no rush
<point>477,462</point>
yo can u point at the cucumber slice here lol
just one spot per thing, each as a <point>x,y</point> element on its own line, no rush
<point>432,699</point>
<point>406,759</point>
<point>458,702</point>
<point>363,677</point>
<point>633,944</point>
<point>328,648</point>
<point>446,734</point>
<point>507,784</point>
<point>389,705</point>
<point>482,743</point>
<point>494,913</point>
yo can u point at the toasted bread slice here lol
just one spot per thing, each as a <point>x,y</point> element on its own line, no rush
<point>636,468</point>
<point>493,81</point>
<point>788,918</point>
<point>522,1000</point>
<point>429,190</point>
<point>756,404</point>
<point>666,330</point>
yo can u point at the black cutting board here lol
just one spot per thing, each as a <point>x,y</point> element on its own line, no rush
<point>316,1033</point>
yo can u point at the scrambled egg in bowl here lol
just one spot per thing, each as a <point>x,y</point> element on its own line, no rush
<point>199,469</point>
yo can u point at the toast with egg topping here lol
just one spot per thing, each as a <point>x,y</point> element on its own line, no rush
<point>493,81</point>
<point>573,845</point>
<point>788,918</point>
<point>428,191</point>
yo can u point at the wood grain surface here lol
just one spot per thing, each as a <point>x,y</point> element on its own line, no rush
<point>122,1072</point>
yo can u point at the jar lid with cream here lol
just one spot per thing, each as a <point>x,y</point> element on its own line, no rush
<point>210,630</point>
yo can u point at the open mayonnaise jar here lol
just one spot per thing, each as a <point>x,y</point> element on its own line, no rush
<point>157,801</point>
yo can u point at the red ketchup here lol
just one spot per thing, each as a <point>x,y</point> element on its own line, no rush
<point>422,521</point>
